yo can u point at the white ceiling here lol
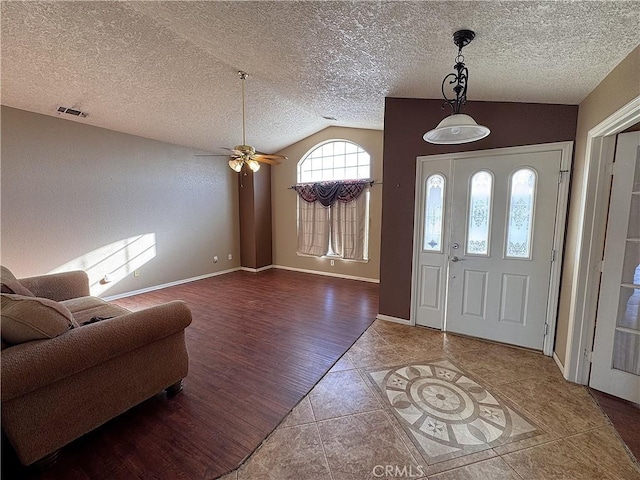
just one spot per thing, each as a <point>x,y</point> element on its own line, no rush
<point>167,70</point>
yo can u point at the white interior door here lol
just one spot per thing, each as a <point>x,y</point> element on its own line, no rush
<point>616,352</point>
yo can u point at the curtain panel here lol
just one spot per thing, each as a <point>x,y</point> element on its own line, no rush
<point>313,229</point>
<point>348,229</point>
<point>332,218</point>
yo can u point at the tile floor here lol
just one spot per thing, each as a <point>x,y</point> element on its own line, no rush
<point>408,402</point>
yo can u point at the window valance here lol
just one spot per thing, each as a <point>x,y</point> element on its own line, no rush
<point>328,193</point>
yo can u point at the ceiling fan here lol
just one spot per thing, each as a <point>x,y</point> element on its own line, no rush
<point>244,154</point>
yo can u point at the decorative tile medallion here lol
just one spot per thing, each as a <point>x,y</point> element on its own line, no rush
<point>448,414</point>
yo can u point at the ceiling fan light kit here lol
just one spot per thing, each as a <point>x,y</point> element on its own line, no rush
<point>237,163</point>
<point>253,165</point>
<point>458,127</point>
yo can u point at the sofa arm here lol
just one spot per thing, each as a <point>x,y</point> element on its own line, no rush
<point>59,286</point>
<point>32,365</point>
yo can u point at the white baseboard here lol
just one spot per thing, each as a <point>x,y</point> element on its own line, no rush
<point>559,364</point>
<point>244,269</point>
<point>327,274</point>
<point>255,270</point>
<point>170,284</point>
<point>388,318</point>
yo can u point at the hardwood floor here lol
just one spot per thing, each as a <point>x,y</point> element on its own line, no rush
<point>258,343</point>
<point>625,417</point>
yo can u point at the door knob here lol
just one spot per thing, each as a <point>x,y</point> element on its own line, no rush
<point>456,259</point>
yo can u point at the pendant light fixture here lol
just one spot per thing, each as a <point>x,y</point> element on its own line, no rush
<point>458,127</point>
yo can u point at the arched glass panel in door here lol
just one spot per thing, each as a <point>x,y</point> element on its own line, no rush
<point>433,213</point>
<point>480,193</point>
<point>520,216</point>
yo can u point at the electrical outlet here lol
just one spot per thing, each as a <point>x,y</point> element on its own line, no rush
<point>333,263</point>
<point>230,257</point>
<point>136,273</point>
<point>215,259</point>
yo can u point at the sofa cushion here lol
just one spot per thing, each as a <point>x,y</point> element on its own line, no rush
<point>23,319</point>
<point>83,303</point>
<point>84,309</point>
<point>10,284</point>
<point>15,287</point>
<point>6,274</point>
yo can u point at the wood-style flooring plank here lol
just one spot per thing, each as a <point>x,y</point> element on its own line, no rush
<point>258,343</point>
<point>625,417</point>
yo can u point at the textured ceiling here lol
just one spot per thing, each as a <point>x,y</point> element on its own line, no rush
<point>167,70</point>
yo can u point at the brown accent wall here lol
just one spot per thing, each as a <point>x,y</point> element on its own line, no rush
<point>405,121</point>
<point>255,217</point>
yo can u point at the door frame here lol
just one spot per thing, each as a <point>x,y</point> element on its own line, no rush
<point>603,376</point>
<point>594,203</point>
<point>566,151</point>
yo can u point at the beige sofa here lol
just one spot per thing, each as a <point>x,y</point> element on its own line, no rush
<point>54,390</point>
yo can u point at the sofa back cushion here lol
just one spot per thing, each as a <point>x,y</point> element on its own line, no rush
<point>10,284</point>
<point>23,319</point>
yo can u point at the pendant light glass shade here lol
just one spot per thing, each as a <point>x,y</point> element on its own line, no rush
<point>456,128</point>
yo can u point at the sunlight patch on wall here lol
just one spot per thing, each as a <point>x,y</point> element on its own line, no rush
<point>117,260</point>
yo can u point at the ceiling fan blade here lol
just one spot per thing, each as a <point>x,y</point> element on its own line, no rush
<point>258,158</point>
<point>273,157</point>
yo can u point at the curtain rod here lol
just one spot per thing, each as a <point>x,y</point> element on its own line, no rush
<point>311,183</point>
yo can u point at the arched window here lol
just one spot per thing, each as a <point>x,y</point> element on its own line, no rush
<point>334,160</point>
<point>340,230</point>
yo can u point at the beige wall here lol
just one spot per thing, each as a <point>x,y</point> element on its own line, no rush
<point>73,194</point>
<point>285,202</point>
<point>620,87</point>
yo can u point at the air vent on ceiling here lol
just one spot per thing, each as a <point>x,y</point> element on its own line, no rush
<point>72,111</point>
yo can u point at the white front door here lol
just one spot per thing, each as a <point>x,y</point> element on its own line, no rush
<point>484,235</point>
<point>616,352</point>
<point>501,246</point>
